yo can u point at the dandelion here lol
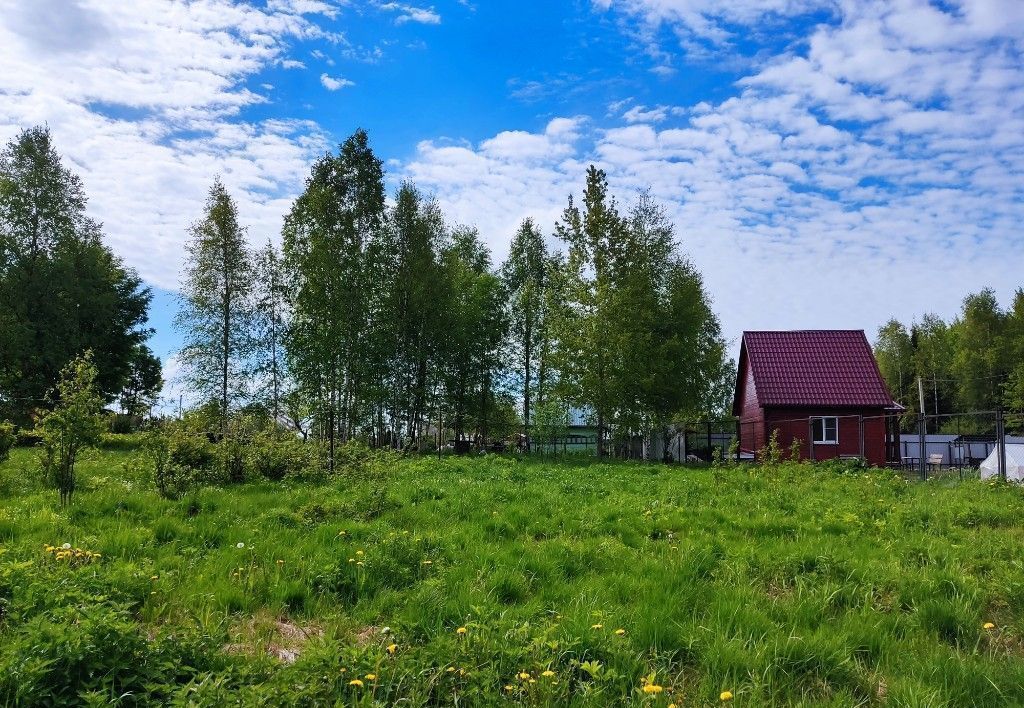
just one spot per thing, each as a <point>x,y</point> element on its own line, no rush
<point>597,626</point>
<point>392,648</point>
<point>280,562</point>
<point>450,669</point>
<point>239,545</point>
<point>359,553</point>
<point>154,577</point>
<point>547,674</point>
<point>371,677</point>
<point>153,592</point>
<point>66,546</point>
<point>351,560</point>
<point>523,675</point>
<point>620,632</point>
<point>725,696</point>
<point>988,625</point>
<point>509,687</point>
<point>460,631</point>
<point>652,688</point>
<point>342,532</point>
<point>356,682</point>
<point>428,562</point>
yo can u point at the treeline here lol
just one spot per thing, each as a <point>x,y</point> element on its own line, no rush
<point>381,321</point>
<point>62,290</point>
<point>974,363</point>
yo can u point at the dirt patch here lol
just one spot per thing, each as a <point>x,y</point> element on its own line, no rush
<point>278,637</point>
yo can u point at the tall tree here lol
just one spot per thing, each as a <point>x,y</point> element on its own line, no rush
<point>525,276</point>
<point>894,352</point>
<point>143,384</point>
<point>327,236</point>
<point>215,316</point>
<point>933,361</point>
<point>594,236</point>
<point>62,291</point>
<point>270,321</point>
<point>979,364</point>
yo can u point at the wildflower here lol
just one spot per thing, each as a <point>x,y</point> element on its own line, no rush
<point>280,562</point>
<point>509,687</point>
<point>671,705</point>
<point>356,682</point>
<point>351,560</point>
<point>239,545</point>
<point>66,546</point>
<point>154,577</point>
<point>450,669</point>
<point>342,532</point>
<point>359,553</point>
<point>597,626</point>
<point>428,562</point>
<point>523,675</point>
<point>620,632</point>
<point>547,674</point>
<point>392,648</point>
<point>988,625</point>
<point>360,563</point>
<point>652,688</point>
<point>725,696</point>
<point>371,677</point>
<point>460,631</point>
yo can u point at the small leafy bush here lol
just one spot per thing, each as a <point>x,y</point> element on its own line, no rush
<point>7,440</point>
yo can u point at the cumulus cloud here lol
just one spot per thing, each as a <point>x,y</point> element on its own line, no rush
<point>145,100</point>
<point>877,169</point>
<point>333,83</point>
<point>411,13</point>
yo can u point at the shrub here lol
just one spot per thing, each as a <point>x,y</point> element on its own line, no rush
<point>181,459</point>
<point>7,440</point>
<point>275,455</point>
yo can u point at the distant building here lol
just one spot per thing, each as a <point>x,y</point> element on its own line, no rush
<point>821,387</point>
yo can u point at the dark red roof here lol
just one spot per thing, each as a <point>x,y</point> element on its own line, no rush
<point>831,367</point>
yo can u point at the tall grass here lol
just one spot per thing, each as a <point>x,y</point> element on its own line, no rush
<point>790,585</point>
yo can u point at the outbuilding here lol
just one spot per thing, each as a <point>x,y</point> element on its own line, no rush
<point>820,388</point>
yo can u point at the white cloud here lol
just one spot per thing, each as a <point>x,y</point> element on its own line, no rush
<point>878,170</point>
<point>144,99</point>
<point>332,83</point>
<point>411,13</point>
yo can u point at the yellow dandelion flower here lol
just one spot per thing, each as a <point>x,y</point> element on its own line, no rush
<point>620,632</point>
<point>154,577</point>
<point>509,687</point>
<point>988,625</point>
<point>671,705</point>
<point>533,680</point>
<point>547,674</point>
<point>280,562</point>
<point>725,696</point>
<point>360,563</point>
<point>359,553</point>
<point>597,626</point>
<point>342,532</point>
<point>653,688</point>
<point>392,648</point>
<point>460,631</point>
<point>428,562</point>
<point>351,560</point>
<point>371,677</point>
<point>450,669</point>
<point>356,682</point>
<point>523,675</point>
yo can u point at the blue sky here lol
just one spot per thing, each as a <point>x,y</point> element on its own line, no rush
<point>827,163</point>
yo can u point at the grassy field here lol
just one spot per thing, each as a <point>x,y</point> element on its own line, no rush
<point>491,581</point>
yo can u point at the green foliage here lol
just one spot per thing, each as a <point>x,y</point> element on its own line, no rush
<point>7,439</point>
<point>181,458</point>
<point>62,290</point>
<point>795,449</point>
<point>73,424</point>
<point>771,453</point>
<point>216,309</point>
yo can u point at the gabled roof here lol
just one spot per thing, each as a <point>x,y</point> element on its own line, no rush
<point>831,367</point>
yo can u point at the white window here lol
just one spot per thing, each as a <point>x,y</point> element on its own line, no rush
<point>826,431</point>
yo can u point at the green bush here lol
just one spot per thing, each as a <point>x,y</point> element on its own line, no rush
<point>181,458</point>
<point>275,455</point>
<point>7,440</point>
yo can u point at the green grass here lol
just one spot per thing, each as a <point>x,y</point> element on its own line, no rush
<point>788,586</point>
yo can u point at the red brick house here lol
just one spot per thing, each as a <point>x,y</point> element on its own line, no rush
<point>821,387</point>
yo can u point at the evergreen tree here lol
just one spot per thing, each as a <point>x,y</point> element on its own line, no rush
<point>62,291</point>
<point>145,379</point>
<point>215,316</point>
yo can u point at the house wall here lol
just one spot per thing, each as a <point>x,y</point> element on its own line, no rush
<point>793,423</point>
<point>750,413</point>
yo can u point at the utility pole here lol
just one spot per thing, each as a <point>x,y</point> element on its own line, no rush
<point>921,430</point>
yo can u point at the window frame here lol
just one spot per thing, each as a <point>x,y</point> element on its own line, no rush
<point>824,430</point>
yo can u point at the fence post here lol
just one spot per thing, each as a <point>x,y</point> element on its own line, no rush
<point>921,447</point>
<point>810,439</point>
<point>739,439</point>
<point>1001,443</point>
<point>860,433</point>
